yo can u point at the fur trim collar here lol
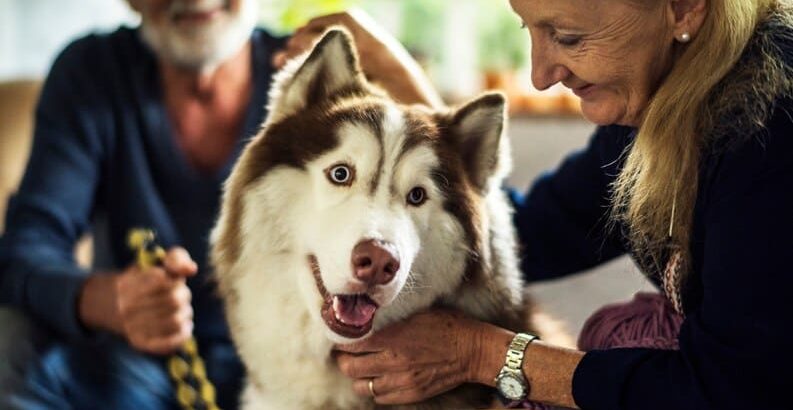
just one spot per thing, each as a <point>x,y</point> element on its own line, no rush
<point>745,99</point>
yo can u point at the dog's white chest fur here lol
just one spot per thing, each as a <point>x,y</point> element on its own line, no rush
<point>285,351</point>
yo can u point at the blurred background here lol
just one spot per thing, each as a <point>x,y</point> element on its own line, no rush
<point>465,46</point>
<point>495,54</point>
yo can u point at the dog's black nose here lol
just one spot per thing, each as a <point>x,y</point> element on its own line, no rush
<point>375,262</point>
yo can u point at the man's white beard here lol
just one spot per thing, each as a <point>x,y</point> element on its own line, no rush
<point>206,46</point>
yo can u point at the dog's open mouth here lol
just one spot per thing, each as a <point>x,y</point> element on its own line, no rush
<point>350,315</point>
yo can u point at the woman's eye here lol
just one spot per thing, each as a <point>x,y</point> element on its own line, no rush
<point>340,175</point>
<point>417,196</point>
<point>567,41</point>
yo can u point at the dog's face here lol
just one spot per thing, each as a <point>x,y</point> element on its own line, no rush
<point>381,202</point>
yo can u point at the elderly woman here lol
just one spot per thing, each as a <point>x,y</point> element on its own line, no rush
<point>689,172</point>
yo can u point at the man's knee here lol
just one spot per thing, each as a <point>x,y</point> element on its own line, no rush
<point>41,371</point>
<point>20,341</point>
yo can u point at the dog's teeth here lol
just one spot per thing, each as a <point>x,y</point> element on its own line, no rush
<point>336,303</point>
<point>336,308</point>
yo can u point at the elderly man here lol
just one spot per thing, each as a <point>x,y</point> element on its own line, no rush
<point>134,128</point>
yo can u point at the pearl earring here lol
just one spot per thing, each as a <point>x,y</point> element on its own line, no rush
<point>685,38</point>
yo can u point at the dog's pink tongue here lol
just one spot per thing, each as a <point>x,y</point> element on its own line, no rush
<point>355,310</point>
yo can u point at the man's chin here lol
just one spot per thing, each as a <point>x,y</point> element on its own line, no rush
<point>198,46</point>
<point>200,60</point>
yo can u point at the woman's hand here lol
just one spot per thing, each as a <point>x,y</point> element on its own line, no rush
<point>421,357</point>
<point>383,59</point>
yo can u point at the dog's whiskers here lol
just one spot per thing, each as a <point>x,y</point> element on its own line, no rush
<point>413,283</point>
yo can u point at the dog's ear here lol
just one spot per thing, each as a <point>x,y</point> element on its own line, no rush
<point>478,132</point>
<point>331,67</point>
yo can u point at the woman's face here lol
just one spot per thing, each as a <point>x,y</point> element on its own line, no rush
<point>611,53</point>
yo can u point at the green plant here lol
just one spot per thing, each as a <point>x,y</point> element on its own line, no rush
<point>503,46</point>
<point>421,30</point>
<point>285,16</point>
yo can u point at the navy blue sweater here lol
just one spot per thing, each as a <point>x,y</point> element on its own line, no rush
<point>104,148</point>
<point>735,340</point>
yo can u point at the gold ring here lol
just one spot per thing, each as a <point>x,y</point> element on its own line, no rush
<point>371,387</point>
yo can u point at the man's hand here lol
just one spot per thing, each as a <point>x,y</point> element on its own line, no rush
<point>383,59</point>
<point>421,357</point>
<point>150,308</point>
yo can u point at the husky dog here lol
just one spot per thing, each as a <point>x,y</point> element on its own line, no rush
<point>348,212</point>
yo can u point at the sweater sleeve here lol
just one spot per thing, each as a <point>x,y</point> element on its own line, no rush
<point>52,207</point>
<point>562,220</point>
<point>735,345</point>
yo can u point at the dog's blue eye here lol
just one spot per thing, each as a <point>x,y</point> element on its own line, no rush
<point>417,196</point>
<point>340,175</point>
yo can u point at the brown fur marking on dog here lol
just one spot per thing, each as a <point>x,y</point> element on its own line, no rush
<point>377,130</point>
<point>462,200</point>
<point>463,203</point>
<point>471,147</point>
<point>291,142</point>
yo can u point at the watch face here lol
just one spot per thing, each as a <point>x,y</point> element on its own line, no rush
<point>511,387</point>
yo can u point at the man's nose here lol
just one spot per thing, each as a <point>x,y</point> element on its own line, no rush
<point>375,262</point>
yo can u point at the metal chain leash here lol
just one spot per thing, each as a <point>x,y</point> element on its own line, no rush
<point>193,389</point>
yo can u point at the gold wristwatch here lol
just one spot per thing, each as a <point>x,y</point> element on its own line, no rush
<point>511,382</point>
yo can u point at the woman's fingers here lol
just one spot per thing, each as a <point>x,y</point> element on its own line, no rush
<point>400,388</point>
<point>361,366</point>
<point>424,355</point>
<point>322,22</point>
<point>306,36</point>
<point>298,44</point>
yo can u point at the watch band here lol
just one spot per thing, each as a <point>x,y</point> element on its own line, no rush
<point>516,350</point>
<point>511,382</point>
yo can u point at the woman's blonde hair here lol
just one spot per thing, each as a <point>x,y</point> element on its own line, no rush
<point>654,195</point>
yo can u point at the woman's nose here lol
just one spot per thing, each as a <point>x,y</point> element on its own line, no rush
<point>546,69</point>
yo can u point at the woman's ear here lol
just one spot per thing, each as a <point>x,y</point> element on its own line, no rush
<point>686,17</point>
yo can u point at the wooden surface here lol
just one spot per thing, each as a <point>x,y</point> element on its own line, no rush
<point>17,105</point>
<point>17,100</point>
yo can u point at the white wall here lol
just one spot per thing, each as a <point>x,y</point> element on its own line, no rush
<point>458,75</point>
<point>32,32</point>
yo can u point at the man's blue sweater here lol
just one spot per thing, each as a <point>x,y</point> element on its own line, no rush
<point>104,149</point>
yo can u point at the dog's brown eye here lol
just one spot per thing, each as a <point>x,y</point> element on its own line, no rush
<point>417,196</point>
<point>340,175</point>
